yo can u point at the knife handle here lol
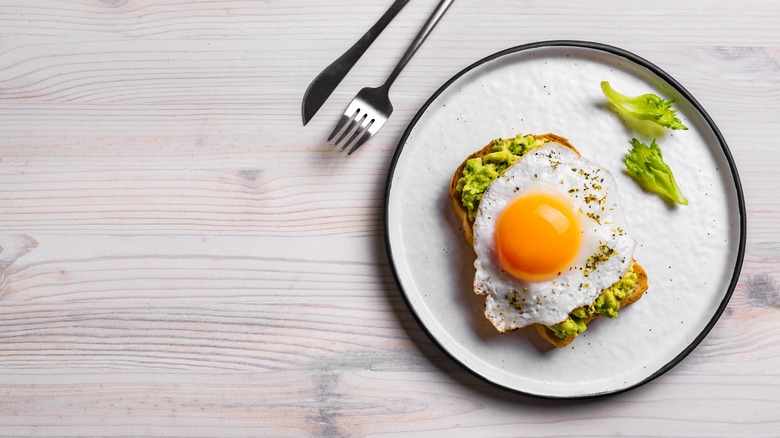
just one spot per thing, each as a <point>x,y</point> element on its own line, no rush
<point>341,66</point>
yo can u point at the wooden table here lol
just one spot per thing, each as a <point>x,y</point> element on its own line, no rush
<point>181,257</point>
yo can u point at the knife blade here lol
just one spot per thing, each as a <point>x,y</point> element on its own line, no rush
<point>323,85</point>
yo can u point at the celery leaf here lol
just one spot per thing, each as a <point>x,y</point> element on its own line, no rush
<point>645,107</point>
<point>646,165</point>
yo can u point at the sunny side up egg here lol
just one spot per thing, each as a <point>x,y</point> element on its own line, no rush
<point>549,235</point>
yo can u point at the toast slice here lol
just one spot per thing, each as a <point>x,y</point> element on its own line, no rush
<point>640,286</point>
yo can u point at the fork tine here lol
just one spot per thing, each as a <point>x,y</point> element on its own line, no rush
<point>354,121</point>
<point>368,133</point>
<point>342,121</point>
<point>365,122</point>
<point>364,116</point>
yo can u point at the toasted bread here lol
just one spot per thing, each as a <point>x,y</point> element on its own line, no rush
<point>640,285</point>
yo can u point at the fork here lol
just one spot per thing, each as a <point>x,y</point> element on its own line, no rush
<point>371,107</point>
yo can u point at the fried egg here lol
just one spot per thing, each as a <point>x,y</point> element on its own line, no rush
<point>549,235</point>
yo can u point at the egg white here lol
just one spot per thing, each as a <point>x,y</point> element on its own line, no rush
<point>604,255</point>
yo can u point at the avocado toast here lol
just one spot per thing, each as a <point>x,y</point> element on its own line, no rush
<point>472,178</point>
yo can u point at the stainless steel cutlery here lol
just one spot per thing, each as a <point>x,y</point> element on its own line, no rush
<point>371,107</point>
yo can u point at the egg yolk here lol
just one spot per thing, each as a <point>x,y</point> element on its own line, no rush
<point>537,236</point>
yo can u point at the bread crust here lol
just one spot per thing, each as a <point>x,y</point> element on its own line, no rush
<point>547,334</point>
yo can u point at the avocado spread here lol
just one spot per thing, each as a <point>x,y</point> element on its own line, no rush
<point>607,304</point>
<point>480,172</point>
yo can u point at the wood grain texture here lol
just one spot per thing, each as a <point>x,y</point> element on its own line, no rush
<point>180,257</point>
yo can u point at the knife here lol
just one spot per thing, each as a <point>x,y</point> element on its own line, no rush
<point>327,81</point>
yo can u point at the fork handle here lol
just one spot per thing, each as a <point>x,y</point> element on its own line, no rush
<point>418,40</point>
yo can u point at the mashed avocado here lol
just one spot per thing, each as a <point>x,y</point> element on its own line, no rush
<point>480,172</point>
<point>607,304</point>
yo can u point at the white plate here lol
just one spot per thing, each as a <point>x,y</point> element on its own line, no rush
<point>692,254</point>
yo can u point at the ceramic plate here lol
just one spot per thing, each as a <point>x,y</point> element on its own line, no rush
<point>692,254</point>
